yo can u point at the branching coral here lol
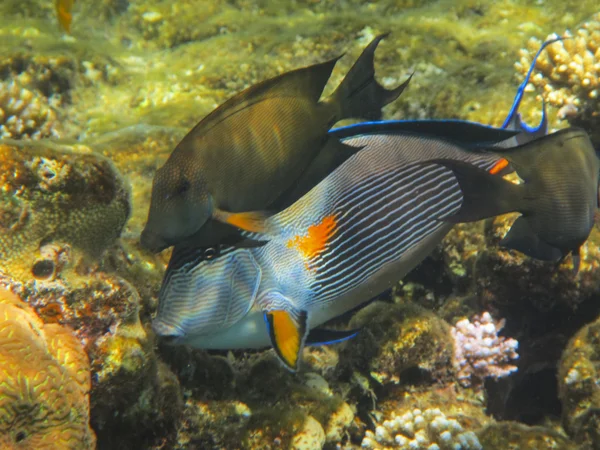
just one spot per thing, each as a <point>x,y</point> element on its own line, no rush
<point>25,113</point>
<point>426,430</point>
<point>44,382</point>
<point>479,352</point>
<point>568,73</point>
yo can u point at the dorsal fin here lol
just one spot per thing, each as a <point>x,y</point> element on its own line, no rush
<point>305,82</point>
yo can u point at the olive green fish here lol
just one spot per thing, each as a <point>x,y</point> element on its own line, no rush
<point>257,148</point>
<point>557,199</point>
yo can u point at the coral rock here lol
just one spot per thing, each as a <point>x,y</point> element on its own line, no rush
<point>55,195</point>
<point>479,352</point>
<point>397,338</point>
<point>25,113</point>
<point>579,392</point>
<point>568,73</point>
<point>44,383</point>
<point>513,435</point>
<point>434,420</point>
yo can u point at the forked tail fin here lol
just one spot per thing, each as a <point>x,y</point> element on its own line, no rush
<point>359,95</point>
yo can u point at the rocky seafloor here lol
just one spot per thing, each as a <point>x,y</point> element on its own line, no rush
<point>85,120</point>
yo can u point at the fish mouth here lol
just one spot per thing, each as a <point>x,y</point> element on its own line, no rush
<point>153,242</point>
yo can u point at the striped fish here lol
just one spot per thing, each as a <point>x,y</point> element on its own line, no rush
<point>350,238</point>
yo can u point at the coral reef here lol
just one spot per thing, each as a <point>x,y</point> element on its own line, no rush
<point>396,339</point>
<point>567,74</point>
<point>579,392</point>
<point>427,418</point>
<point>44,382</point>
<point>416,429</point>
<point>513,435</point>
<point>161,66</point>
<point>25,114</point>
<point>60,196</point>
<point>479,352</point>
<point>131,391</point>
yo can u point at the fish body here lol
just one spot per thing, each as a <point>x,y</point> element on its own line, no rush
<point>557,199</point>
<point>351,237</point>
<point>254,148</point>
<point>64,12</point>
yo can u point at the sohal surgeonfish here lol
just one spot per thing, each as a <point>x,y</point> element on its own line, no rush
<point>254,149</point>
<point>557,199</point>
<point>353,236</point>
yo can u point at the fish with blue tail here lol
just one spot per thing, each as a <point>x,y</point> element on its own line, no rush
<point>254,150</point>
<point>557,199</point>
<point>351,237</point>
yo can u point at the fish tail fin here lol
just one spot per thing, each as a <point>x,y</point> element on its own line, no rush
<point>359,95</point>
<point>484,194</point>
<point>513,120</point>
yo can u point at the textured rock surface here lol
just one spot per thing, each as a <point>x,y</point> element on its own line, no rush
<point>578,377</point>
<point>567,74</point>
<point>44,382</point>
<point>68,197</point>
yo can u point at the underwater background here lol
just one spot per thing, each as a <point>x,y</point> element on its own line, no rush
<point>87,117</point>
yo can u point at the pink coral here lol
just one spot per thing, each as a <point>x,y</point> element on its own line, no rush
<point>479,352</point>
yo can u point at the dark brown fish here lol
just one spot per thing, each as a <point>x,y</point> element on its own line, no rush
<point>557,199</point>
<point>257,148</point>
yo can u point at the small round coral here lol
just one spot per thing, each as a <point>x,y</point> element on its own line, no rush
<point>479,352</point>
<point>421,430</point>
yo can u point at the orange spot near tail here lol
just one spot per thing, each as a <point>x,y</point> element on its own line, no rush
<point>500,164</point>
<point>314,242</point>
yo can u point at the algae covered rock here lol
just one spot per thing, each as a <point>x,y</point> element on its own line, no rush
<point>516,436</point>
<point>54,195</point>
<point>579,392</point>
<point>397,338</point>
<point>44,383</point>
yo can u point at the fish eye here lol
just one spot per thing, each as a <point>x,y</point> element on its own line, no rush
<point>182,188</point>
<point>209,253</point>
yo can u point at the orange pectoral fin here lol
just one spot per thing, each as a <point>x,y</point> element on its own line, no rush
<point>254,221</point>
<point>287,332</point>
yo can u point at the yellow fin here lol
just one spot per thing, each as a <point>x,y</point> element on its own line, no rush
<point>254,221</point>
<point>287,334</point>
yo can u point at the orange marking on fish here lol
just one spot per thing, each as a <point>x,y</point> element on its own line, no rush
<point>500,164</point>
<point>249,221</point>
<point>314,242</point>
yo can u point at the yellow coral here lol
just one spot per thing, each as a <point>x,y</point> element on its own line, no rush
<point>44,382</point>
<point>567,73</point>
<point>25,113</point>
